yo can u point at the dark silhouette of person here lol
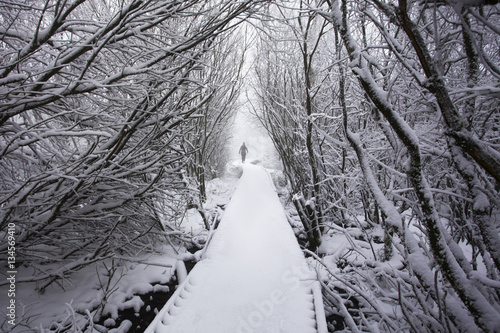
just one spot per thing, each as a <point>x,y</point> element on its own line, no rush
<point>243,152</point>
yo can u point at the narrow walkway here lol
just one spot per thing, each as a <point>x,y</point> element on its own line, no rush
<point>253,277</point>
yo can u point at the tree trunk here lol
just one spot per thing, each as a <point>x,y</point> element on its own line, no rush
<point>307,215</point>
<point>484,314</point>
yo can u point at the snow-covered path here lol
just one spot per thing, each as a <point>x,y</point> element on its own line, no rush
<point>253,277</point>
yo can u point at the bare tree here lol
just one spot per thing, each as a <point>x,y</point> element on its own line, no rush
<point>95,101</point>
<point>208,132</point>
<point>445,251</point>
<point>402,100</point>
<point>289,97</point>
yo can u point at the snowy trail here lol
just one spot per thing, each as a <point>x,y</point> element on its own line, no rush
<point>253,277</point>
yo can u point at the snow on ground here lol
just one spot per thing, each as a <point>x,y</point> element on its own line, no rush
<point>253,277</point>
<point>88,288</point>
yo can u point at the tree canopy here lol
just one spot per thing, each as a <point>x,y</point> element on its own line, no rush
<point>114,113</point>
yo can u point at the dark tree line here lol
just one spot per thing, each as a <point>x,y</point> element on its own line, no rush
<point>392,107</point>
<point>110,112</point>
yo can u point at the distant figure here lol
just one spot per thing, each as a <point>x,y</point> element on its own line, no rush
<point>243,152</point>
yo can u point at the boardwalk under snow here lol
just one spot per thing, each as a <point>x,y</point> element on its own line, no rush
<point>253,276</point>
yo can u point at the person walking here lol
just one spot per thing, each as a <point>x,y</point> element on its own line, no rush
<point>243,152</point>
